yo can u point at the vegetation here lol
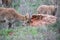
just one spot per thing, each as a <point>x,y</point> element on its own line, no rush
<point>30,33</point>
<point>43,32</point>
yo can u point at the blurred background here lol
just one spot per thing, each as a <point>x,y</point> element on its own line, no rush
<point>28,6</point>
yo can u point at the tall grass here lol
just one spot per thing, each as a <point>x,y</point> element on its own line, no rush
<point>30,33</point>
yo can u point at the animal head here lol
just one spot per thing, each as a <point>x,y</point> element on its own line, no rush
<point>27,17</point>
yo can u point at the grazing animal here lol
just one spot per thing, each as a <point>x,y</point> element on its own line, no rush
<point>10,16</point>
<point>47,9</point>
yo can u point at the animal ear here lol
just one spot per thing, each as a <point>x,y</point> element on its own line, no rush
<point>27,16</point>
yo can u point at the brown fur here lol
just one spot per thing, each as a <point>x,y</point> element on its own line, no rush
<point>10,15</point>
<point>42,19</point>
<point>46,9</point>
<point>36,17</point>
